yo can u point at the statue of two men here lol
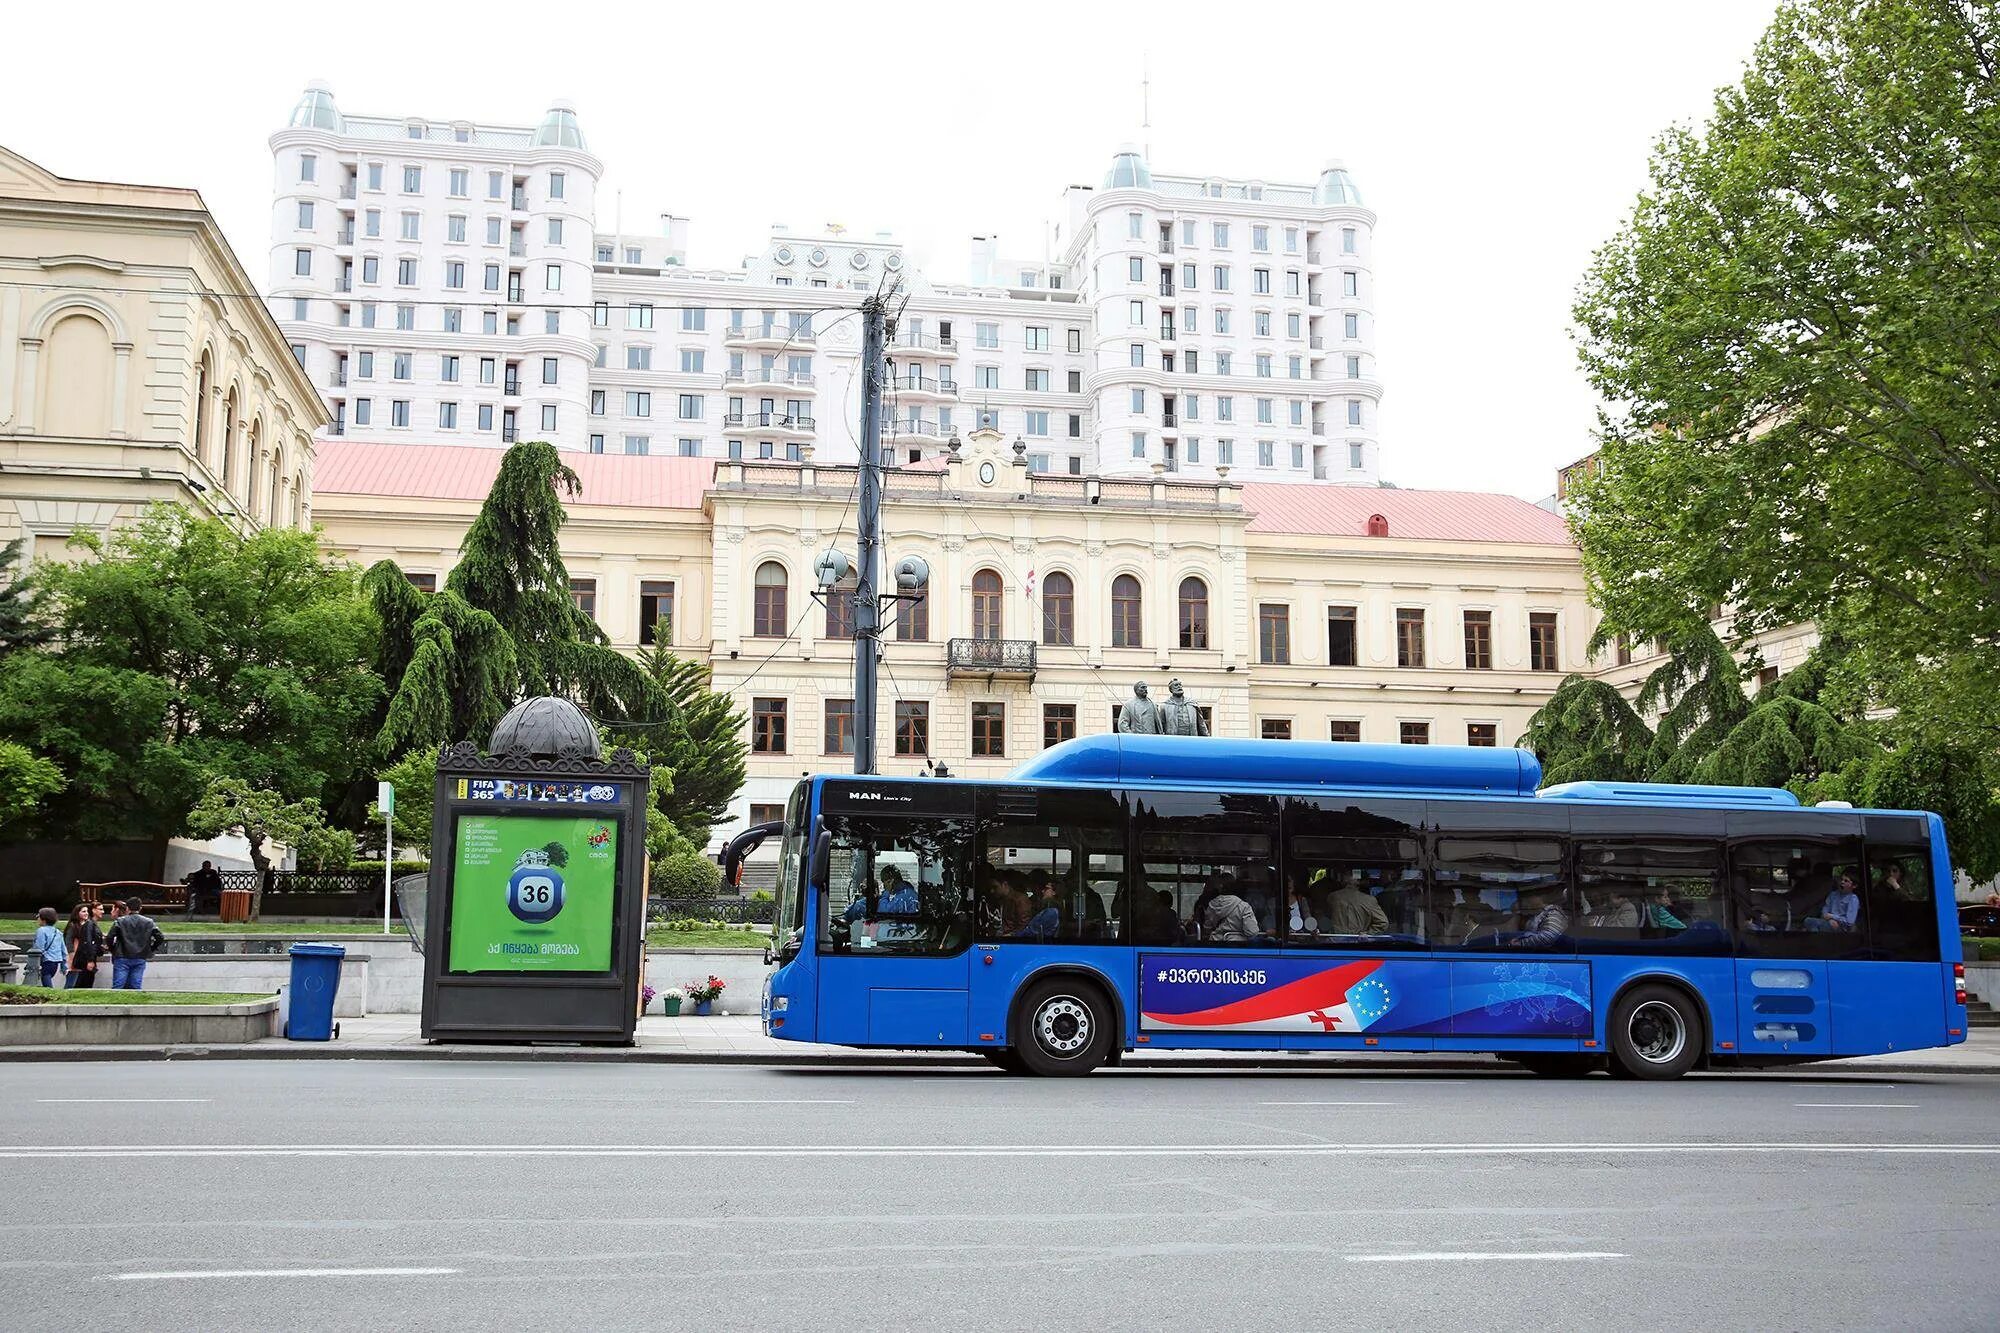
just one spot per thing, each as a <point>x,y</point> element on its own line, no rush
<point>1176,717</point>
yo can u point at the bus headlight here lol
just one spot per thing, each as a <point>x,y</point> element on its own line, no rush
<point>780,1003</point>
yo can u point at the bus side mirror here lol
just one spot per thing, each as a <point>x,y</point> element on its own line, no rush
<point>822,862</point>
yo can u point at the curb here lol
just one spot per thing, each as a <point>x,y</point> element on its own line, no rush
<point>295,1051</point>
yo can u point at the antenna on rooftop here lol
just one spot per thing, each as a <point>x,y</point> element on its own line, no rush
<point>1146,103</point>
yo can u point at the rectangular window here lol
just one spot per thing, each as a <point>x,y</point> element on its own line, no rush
<point>1274,633</point>
<point>839,730</point>
<point>401,365</point>
<point>1347,240</point>
<point>1135,270</point>
<point>1136,313</point>
<point>638,358</point>
<point>1260,281</point>
<point>1409,636</point>
<point>406,317</point>
<point>694,360</point>
<point>638,403</point>
<point>1260,238</point>
<point>690,448</point>
<point>1222,319</point>
<point>1222,277</point>
<point>639,445</point>
<point>1485,735</point>
<point>1542,655</point>
<point>597,444</point>
<point>555,185</point>
<point>1075,340</point>
<point>691,407</point>
<point>767,726</point>
<point>656,611</point>
<point>1350,284</point>
<point>1350,326</point>
<point>302,263</point>
<point>1266,454</point>
<point>1344,730</point>
<point>639,316</point>
<point>548,416</point>
<point>1037,380</point>
<point>364,411</point>
<point>913,620</point>
<point>1478,640</point>
<point>1275,728</point>
<point>1135,225</point>
<point>305,215</point>
<point>550,370</point>
<point>1076,425</point>
<point>1413,733</point>
<point>584,593</point>
<point>913,728</point>
<point>1038,338</point>
<point>1354,411</point>
<point>399,412</point>
<point>454,274</point>
<point>447,416</point>
<point>989,730</point>
<point>1058,724</point>
<point>1037,423</point>
<point>552,278</point>
<point>1343,639</point>
<point>1138,354</point>
<point>985,335</point>
<point>1221,235</point>
<point>308,166</point>
<point>486,416</point>
<point>413,180</point>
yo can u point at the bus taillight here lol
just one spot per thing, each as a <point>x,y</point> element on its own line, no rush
<point>1958,980</point>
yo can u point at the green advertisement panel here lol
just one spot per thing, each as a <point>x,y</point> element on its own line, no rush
<point>533,892</point>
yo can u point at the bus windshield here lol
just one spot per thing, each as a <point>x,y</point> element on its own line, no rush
<point>789,923</point>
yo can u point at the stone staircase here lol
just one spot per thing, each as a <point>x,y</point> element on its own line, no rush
<point>1980,1014</point>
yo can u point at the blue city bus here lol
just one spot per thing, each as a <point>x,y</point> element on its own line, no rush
<point>1122,893</point>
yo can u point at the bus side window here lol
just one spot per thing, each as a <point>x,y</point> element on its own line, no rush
<point>1049,867</point>
<point>1502,892</point>
<point>1207,863</point>
<point>1791,897</point>
<point>1654,896</point>
<point>1899,904</point>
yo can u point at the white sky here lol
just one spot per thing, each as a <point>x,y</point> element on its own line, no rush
<point>1499,143</point>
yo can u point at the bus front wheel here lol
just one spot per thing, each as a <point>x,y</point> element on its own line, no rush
<point>1064,1029</point>
<point>1656,1032</point>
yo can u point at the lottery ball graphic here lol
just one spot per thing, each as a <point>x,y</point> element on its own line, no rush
<point>535,893</point>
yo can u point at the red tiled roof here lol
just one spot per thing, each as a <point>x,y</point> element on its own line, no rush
<point>466,472</point>
<point>1462,516</point>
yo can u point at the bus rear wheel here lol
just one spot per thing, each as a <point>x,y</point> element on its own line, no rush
<point>1656,1032</point>
<point>1064,1028</point>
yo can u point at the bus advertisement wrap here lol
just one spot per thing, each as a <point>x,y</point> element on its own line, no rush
<point>533,893</point>
<point>1373,996</point>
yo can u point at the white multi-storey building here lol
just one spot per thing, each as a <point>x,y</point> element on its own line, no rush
<point>443,283</point>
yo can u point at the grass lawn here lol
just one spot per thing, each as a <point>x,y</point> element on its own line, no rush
<point>175,925</point>
<point>658,937</point>
<point>36,995</point>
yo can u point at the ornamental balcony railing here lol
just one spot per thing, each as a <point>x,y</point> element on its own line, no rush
<point>990,657</point>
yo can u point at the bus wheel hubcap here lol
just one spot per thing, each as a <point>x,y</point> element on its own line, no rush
<point>1063,1024</point>
<point>1657,1032</point>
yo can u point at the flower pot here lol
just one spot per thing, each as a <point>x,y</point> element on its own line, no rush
<point>704,1007</point>
<point>672,1008</point>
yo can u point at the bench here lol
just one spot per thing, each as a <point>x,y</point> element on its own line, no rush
<point>153,897</point>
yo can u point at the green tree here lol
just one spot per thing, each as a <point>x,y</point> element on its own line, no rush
<point>26,780</point>
<point>504,627</point>
<point>1782,741</point>
<point>231,805</point>
<point>697,735</point>
<point>1697,694</point>
<point>1588,731</point>
<point>1796,329</point>
<point>415,779</point>
<point>189,652</point>
<point>23,623</point>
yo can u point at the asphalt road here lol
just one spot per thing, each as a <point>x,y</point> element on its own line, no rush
<point>399,1195</point>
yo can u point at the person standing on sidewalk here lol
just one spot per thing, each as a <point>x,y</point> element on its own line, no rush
<point>86,946</point>
<point>49,946</point>
<point>134,941</point>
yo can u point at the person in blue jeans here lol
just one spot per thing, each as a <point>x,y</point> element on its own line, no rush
<point>50,946</point>
<point>134,941</point>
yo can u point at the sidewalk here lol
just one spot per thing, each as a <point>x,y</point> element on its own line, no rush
<point>739,1039</point>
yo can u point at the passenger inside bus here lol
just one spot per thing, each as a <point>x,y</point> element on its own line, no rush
<point>1227,918</point>
<point>1352,910</point>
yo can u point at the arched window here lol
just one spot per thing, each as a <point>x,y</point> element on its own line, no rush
<point>773,617</point>
<point>1194,613</point>
<point>271,493</point>
<point>201,412</point>
<point>1126,613</point>
<point>986,605</point>
<point>256,446</point>
<point>913,618</point>
<point>228,441</point>
<point>298,499</point>
<point>840,609</point>
<point>1058,609</point>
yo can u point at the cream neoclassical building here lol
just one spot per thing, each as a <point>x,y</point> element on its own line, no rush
<point>1420,617</point>
<point>137,364</point>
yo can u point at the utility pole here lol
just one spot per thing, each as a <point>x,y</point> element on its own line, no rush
<point>868,568</point>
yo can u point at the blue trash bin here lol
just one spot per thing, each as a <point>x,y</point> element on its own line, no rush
<point>315,981</point>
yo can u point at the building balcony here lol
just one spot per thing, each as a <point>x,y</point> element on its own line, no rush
<point>344,285</point>
<point>338,427</point>
<point>1314,298</point>
<point>767,335</point>
<point>337,379</point>
<point>759,377</point>
<point>914,430</point>
<point>345,236</point>
<point>992,659</point>
<point>924,344</point>
<point>926,388</point>
<point>1317,343</point>
<point>517,248</point>
<point>508,434</point>
<point>1312,257</point>
<point>520,201</point>
<point>781,424</point>
<point>512,389</point>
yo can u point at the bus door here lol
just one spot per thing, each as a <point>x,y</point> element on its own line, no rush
<point>895,912</point>
<point>1793,928</point>
<point>1050,882</point>
<point>1893,994</point>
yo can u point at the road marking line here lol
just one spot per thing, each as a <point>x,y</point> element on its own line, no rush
<point>120,1101</point>
<point>205,1273</point>
<point>777,1101</point>
<point>1861,1106</point>
<point>1329,1103</point>
<point>1482,1256</point>
<point>463,1078</point>
<point>689,1150</point>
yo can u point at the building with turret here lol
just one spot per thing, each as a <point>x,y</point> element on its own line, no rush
<point>448,286</point>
